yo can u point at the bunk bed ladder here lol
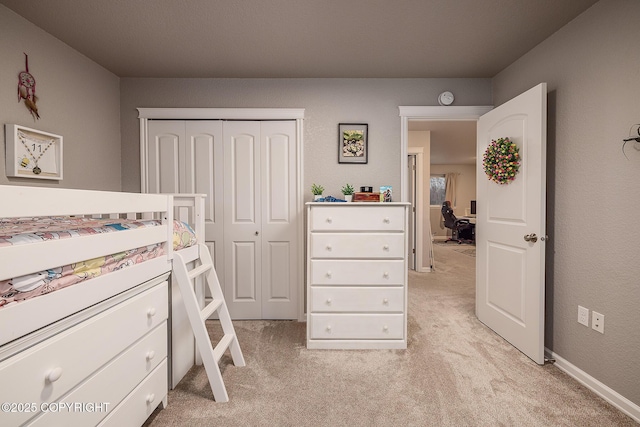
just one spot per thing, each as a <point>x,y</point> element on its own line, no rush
<point>197,316</point>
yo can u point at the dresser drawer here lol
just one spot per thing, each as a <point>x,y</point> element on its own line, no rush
<point>112,383</point>
<point>356,299</point>
<point>47,371</point>
<point>357,272</point>
<point>356,326</point>
<point>356,245</point>
<point>142,401</point>
<point>365,218</point>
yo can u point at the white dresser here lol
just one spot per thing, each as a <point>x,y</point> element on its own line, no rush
<point>109,367</point>
<point>357,275</point>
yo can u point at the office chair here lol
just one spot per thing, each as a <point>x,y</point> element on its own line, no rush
<point>462,231</point>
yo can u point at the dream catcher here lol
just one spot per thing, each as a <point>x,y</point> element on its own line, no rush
<point>634,135</point>
<point>27,89</point>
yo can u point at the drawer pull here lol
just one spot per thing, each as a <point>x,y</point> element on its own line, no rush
<point>329,273</point>
<point>329,220</point>
<point>151,312</point>
<point>328,247</point>
<point>386,220</point>
<point>385,328</point>
<point>385,247</point>
<point>151,354</point>
<point>385,274</point>
<point>385,301</point>
<point>329,328</point>
<point>54,375</point>
<point>151,397</point>
<point>328,301</point>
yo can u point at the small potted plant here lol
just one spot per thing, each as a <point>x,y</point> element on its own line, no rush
<point>348,190</point>
<point>317,191</point>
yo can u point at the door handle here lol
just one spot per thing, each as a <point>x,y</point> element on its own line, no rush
<point>257,232</point>
<point>531,237</point>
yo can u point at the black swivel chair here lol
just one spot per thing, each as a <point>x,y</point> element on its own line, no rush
<point>462,231</point>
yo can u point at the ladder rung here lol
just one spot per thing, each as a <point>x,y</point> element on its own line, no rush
<point>210,308</point>
<point>222,346</point>
<point>199,270</point>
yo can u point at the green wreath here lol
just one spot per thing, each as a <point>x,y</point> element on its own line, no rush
<point>501,161</point>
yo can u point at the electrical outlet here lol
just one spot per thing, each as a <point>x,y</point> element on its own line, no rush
<point>583,316</point>
<point>597,322</point>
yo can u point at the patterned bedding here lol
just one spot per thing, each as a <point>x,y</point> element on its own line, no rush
<point>18,231</point>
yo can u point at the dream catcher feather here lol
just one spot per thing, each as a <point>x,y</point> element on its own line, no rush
<point>27,89</point>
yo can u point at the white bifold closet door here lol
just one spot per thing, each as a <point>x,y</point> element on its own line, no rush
<point>248,170</point>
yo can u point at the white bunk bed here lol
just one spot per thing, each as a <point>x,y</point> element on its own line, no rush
<point>94,353</point>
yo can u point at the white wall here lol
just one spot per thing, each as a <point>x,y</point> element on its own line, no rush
<point>78,99</point>
<point>592,70</point>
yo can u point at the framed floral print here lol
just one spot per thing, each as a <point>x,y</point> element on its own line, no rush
<point>352,143</point>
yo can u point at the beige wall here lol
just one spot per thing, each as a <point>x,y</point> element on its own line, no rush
<point>422,140</point>
<point>78,99</point>
<point>592,68</point>
<point>327,102</point>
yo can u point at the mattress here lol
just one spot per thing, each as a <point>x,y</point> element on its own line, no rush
<point>21,231</point>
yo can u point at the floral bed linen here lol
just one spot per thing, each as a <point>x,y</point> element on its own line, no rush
<point>18,231</point>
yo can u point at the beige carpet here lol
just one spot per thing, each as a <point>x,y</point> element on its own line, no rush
<point>455,372</point>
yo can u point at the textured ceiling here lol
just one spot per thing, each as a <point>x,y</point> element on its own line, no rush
<point>301,38</point>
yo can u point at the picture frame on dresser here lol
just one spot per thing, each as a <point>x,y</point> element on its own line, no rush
<point>353,143</point>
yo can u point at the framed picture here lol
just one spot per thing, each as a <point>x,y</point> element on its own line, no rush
<point>352,143</point>
<point>32,153</point>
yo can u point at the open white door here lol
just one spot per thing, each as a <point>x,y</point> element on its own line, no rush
<point>510,280</point>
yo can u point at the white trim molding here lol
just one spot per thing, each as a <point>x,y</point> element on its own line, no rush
<point>221,113</point>
<point>602,390</point>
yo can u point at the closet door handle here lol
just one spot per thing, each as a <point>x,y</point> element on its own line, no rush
<point>257,232</point>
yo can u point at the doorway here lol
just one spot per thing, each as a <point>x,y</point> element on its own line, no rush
<point>451,120</point>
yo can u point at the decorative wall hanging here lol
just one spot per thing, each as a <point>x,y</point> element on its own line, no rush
<point>27,89</point>
<point>352,145</point>
<point>32,153</point>
<point>501,161</point>
<point>634,135</point>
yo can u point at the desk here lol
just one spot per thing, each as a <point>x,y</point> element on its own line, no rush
<point>472,219</point>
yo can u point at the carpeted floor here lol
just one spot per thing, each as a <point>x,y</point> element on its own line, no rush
<point>455,372</point>
<point>463,248</point>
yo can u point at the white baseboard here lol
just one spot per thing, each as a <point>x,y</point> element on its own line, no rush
<point>605,392</point>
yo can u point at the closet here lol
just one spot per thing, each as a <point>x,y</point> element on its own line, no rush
<point>250,172</point>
